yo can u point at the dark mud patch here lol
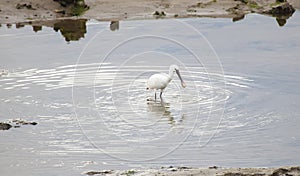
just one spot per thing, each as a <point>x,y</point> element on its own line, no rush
<point>281,11</point>
<point>27,6</point>
<point>293,171</point>
<point>158,14</point>
<point>73,7</point>
<point>99,172</point>
<point>23,122</point>
<point>241,174</point>
<point>16,123</point>
<point>5,126</point>
<point>211,171</point>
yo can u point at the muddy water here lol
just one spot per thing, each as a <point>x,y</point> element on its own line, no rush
<point>240,107</point>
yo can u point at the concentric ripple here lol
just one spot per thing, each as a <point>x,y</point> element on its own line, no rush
<point>113,111</point>
<point>127,112</point>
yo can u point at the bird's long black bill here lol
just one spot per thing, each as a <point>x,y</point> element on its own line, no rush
<point>182,82</point>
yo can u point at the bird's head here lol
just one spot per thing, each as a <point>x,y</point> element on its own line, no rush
<point>175,68</point>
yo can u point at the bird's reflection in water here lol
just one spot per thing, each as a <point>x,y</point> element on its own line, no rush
<point>162,110</point>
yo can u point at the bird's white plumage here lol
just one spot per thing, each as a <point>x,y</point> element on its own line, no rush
<point>158,81</point>
<point>161,80</point>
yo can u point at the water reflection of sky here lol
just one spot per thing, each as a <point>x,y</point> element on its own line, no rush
<point>259,127</point>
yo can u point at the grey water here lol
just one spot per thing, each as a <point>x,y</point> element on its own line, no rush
<point>240,107</point>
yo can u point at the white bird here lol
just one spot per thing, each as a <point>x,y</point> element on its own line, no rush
<point>161,80</point>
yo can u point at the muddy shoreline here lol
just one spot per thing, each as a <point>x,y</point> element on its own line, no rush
<point>211,171</point>
<point>39,14</point>
<point>46,13</point>
<point>16,11</point>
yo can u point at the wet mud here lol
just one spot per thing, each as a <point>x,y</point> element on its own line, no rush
<point>211,171</point>
<point>30,10</point>
<point>16,123</point>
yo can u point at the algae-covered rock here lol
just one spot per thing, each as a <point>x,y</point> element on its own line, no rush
<point>4,126</point>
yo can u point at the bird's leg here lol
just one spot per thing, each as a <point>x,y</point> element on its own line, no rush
<point>160,95</point>
<point>155,96</point>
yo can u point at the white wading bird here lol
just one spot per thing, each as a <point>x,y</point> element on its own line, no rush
<point>161,80</point>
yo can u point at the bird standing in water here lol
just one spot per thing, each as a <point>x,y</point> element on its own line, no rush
<point>161,80</point>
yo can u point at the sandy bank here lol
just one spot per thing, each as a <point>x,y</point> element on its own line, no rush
<point>212,171</point>
<point>14,11</point>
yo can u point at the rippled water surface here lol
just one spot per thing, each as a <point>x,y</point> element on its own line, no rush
<point>240,107</point>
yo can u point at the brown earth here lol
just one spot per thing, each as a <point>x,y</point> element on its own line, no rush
<point>211,171</point>
<point>13,11</point>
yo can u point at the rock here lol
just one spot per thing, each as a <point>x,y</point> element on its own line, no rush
<point>244,1</point>
<point>282,9</point>
<point>279,172</point>
<point>286,171</point>
<point>4,126</point>
<point>60,11</point>
<point>173,169</point>
<point>22,6</point>
<point>19,25</point>
<point>65,3</point>
<point>23,122</point>
<point>37,28</point>
<point>235,10</point>
<point>15,123</point>
<point>184,168</point>
<point>114,25</point>
<point>156,13</point>
<point>213,167</point>
<point>242,174</point>
<point>78,7</point>
<point>295,169</point>
<point>238,17</point>
<point>99,172</point>
<point>159,14</point>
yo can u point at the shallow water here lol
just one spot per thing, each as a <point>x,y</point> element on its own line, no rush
<point>240,107</point>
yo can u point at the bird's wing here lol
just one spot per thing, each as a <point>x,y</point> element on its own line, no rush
<point>158,81</point>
